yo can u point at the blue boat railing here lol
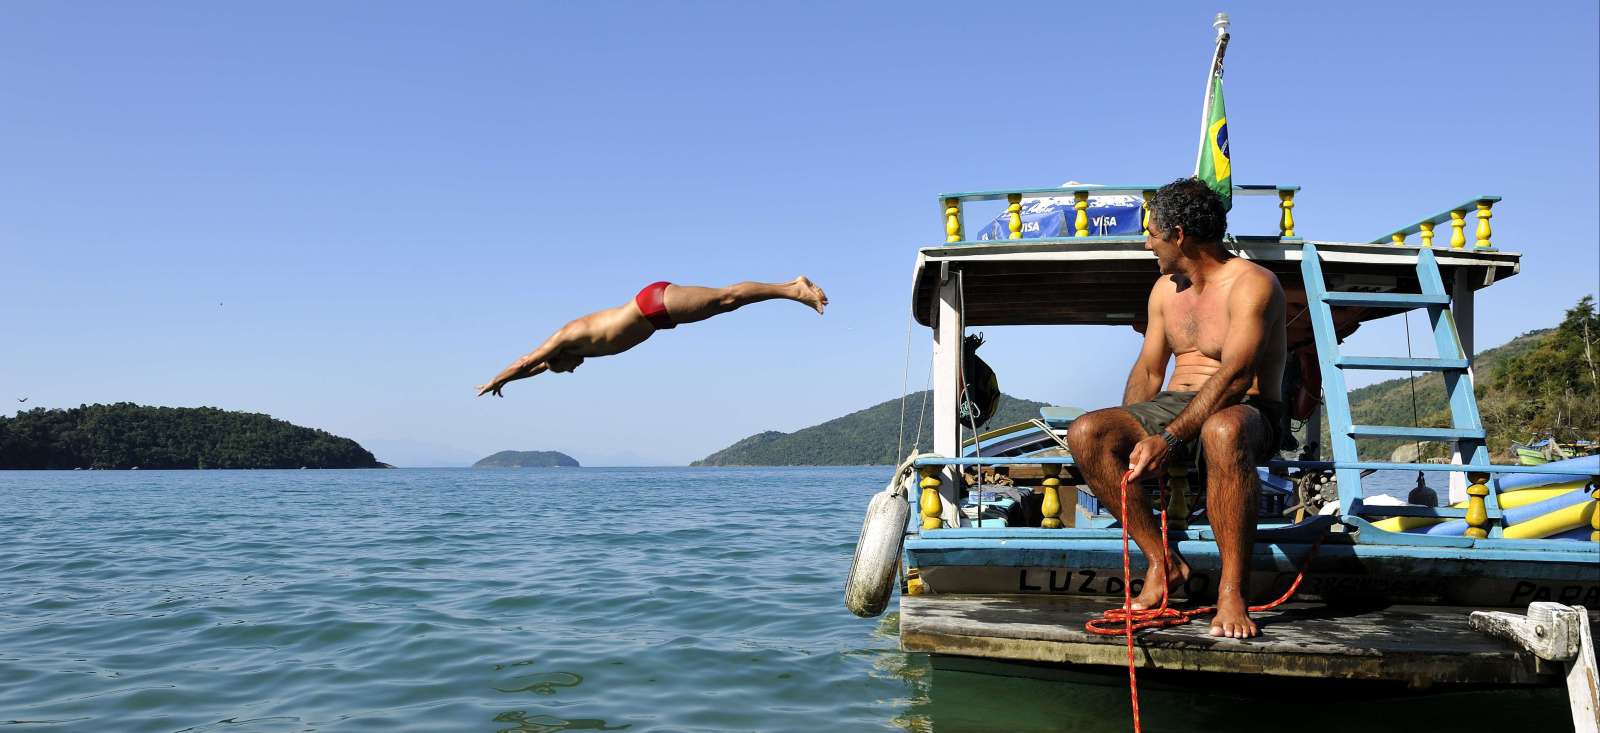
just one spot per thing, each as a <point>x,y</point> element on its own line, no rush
<point>1476,514</point>
<point>953,204</point>
<point>1457,217</point>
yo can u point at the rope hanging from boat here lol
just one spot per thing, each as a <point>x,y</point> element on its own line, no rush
<point>1164,616</point>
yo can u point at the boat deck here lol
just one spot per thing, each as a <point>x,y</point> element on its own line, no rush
<point>1418,646</point>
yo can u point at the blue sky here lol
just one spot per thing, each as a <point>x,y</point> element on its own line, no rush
<point>346,215</point>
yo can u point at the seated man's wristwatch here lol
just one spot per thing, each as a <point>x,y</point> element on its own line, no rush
<point>1172,440</point>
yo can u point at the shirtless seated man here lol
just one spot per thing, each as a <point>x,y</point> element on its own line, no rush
<point>659,305</point>
<point>1222,316</point>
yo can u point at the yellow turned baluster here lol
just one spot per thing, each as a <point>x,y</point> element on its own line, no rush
<point>1427,233</point>
<point>1477,510</point>
<point>930,503</point>
<point>1594,519</point>
<point>1399,239</point>
<point>1458,222</point>
<point>1178,495</point>
<point>1051,507</point>
<point>952,220</point>
<point>1483,225</point>
<point>1015,209</point>
<point>1145,227</point>
<point>1081,224</point>
<point>1286,222</point>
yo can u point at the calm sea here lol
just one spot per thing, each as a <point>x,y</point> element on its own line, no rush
<point>496,600</point>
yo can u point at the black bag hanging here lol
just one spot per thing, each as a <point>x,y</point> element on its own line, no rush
<point>980,388</point>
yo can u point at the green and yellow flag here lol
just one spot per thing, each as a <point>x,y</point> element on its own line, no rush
<point>1215,168</point>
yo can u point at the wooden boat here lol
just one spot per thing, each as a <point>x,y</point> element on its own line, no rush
<point>1021,594</point>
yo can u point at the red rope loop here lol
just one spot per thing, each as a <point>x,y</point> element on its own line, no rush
<point>1129,620</point>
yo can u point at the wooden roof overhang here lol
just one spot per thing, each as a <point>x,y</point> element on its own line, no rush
<point>1107,280</point>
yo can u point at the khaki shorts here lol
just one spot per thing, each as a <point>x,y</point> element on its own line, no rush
<point>1154,416</point>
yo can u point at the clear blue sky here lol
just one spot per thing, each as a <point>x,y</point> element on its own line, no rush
<point>348,214</point>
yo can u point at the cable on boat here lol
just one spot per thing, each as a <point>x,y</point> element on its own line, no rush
<point>1164,615</point>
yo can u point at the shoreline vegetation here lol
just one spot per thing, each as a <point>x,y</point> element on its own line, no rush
<point>129,436</point>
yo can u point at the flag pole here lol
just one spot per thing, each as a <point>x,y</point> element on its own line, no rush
<point>1221,24</point>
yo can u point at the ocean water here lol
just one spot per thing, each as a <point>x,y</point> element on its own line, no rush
<point>497,600</point>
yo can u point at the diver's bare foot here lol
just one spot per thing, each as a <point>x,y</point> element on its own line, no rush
<point>1233,616</point>
<point>810,294</point>
<point>1173,579</point>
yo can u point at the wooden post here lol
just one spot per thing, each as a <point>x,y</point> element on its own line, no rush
<point>1144,227</point>
<point>1461,307</point>
<point>1458,224</point>
<point>1399,239</point>
<point>1427,233</point>
<point>929,503</point>
<point>1286,220</point>
<point>1051,507</point>
<point>1015,210</point>
<point>952,220</point>
<point>1477,509</point>
<point>1484,232</point>
<point>946,375</point>
<point>1178,495</point>
<point>1081,223</point>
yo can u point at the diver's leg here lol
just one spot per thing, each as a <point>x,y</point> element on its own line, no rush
<point>1101,441</point>
<point>690,303</point>
<point>1232,437</point>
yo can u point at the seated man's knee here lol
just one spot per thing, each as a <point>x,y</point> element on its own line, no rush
<point>1221,431</point>
<point>1086,432</point>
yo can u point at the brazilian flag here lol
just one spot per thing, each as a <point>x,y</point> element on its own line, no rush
<point>1216,169</point>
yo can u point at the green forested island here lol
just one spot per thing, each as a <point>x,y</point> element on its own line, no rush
<point>1541,383</point>
<point>528,459</point>
<point>125,435</point>
<point>864,438</point>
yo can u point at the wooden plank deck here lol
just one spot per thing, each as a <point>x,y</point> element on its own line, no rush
<point>1419,646</point>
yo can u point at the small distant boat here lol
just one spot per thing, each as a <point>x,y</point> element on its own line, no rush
<point>1540,452</point>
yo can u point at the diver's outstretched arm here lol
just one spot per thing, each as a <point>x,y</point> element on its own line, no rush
<point>532,364</point>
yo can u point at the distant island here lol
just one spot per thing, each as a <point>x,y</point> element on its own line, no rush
<point>528,459</point>
<point>863,438</point>
<point>125,435</point>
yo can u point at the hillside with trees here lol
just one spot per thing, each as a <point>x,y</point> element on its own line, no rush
<point>863,438</point>
<point>1541,383</point>
<point>125,435</point>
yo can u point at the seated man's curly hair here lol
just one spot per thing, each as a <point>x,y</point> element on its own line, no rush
<point>1191,204</point>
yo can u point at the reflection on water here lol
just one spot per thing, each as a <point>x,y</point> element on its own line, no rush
<point>525,723</point>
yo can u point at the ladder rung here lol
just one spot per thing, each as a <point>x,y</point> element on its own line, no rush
<point>1396,431</point>
<point>1398,363</point>
<point>1385,300</point>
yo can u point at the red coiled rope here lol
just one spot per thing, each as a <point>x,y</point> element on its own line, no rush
<point>1162,616</point>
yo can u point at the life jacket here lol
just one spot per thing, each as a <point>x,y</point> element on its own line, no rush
<point>980,388</point>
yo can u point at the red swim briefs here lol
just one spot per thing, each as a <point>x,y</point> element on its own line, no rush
<point>652,302</point>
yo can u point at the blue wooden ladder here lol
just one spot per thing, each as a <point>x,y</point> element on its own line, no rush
<point>1466,429</point>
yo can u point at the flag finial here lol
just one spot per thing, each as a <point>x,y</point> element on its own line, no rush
<point>1221,24</point>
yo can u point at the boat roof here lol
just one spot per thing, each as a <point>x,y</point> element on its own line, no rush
<point>1106,280</point>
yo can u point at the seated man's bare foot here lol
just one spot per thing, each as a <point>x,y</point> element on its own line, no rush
<point>1176,575</point>
<point>810,294</point>
<point>1233,617</point>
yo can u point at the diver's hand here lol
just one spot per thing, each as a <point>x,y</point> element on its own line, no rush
<point>491,388</point>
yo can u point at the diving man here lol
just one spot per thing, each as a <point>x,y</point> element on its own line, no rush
<point>659,305</point>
